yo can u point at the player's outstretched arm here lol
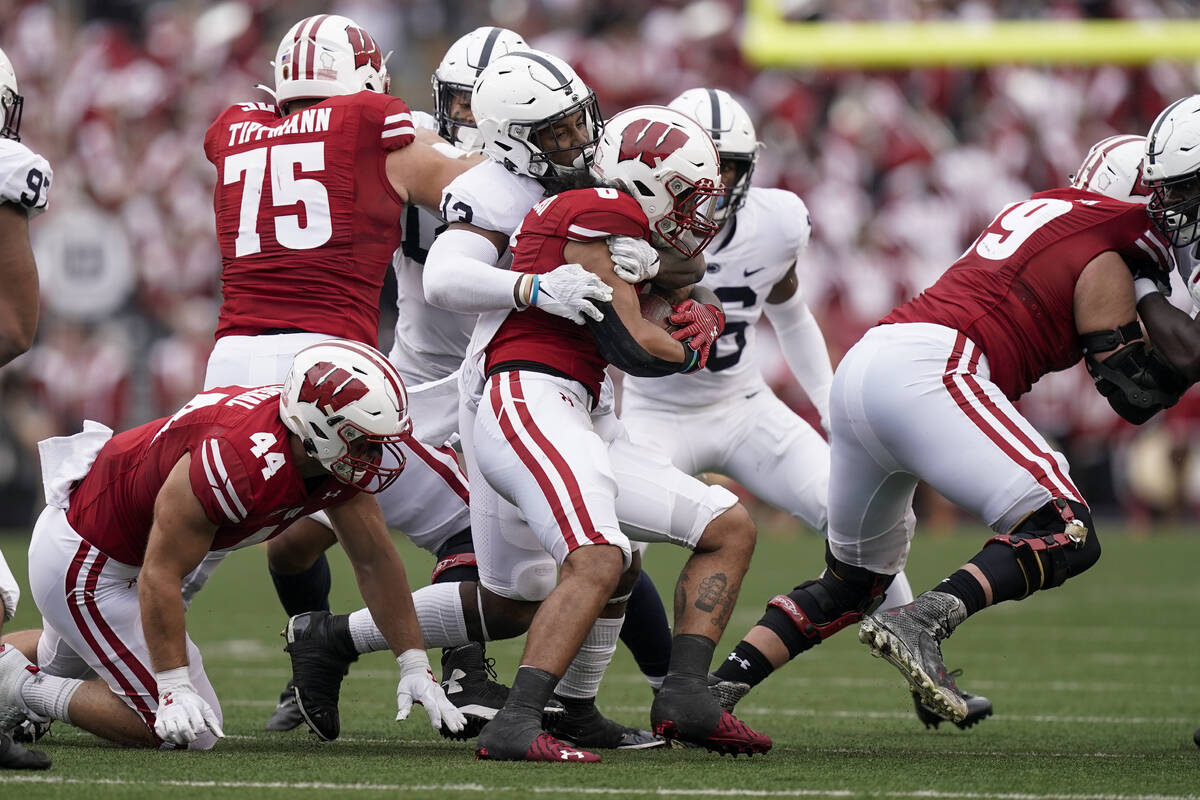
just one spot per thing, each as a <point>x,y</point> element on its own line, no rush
<point>180,536</point>
<point>379,572</point>
<point>18,272</point>
<point>419,173</point>
<point>801,341</point>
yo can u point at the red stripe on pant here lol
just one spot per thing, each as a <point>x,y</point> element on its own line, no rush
<point>449,474</point>
<point>560,463</point>
<point>85,597</point>
<point>532,464</point>
<point>982,424</point>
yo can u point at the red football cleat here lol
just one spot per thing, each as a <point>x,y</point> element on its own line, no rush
<point>731,735</point>
<point>544,748</point>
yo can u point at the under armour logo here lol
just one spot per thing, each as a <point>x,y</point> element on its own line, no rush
<point>132,582</point>
<point>567,755</point>
<point>452,685</point>
<point>566,399</point>
<point>744,663</point>
<point>167,699</point>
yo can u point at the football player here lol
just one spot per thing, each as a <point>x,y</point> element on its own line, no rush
<point>547,444</point>
<point>128,517</point>
<point>724,418</point>
<point>928,395</point>
<point>538,122</point>
<point>24,192</point>
<point>430,503</point>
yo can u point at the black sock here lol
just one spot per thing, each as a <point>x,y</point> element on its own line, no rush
<point>746,664</point>
<point>691,656</point>
<point>646,631</point>
<point>531,688</point>
<point>965,587</point>
<point>304,591</point>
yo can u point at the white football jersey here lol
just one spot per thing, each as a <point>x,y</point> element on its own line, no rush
<point>24,177</point>
<point>747,258</point>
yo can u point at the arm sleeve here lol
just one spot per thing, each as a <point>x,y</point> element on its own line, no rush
<point>804,350</point>
<point>460,275</point>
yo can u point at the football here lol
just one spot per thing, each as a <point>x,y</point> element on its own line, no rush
<point>656,309</point>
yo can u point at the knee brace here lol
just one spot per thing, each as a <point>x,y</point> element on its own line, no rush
<point>456,560</point>
<point>1053,543</point>
<point>816,610</point>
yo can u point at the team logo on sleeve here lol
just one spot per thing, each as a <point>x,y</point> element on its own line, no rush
<point>330,388</point>
<point>650,142</point>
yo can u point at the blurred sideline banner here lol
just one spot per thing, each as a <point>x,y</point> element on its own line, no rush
<point>770,40</point>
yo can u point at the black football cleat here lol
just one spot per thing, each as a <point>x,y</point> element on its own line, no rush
<point>979,708</point>
<point>15,756</point>
<point>320,659</point>
<point>587,727</point>
<point>286,716</point>
<point>469,681</point>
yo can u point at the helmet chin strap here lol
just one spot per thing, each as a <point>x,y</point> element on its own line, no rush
<point>268,89</point>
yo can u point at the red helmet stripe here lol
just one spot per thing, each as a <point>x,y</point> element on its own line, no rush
<point>1098,158</point>
<point>310,59</point>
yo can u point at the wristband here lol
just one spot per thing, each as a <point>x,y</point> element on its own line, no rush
<point>413,661</point>
<point>172,679</point>
<point>1143,287</point>
<point>533,293</point>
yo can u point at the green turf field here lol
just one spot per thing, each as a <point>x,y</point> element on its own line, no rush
<point>1096,688</point>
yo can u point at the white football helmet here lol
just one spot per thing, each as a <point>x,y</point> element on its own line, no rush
<point>325,56</point>
<point>1113,168</point>
<point>517,101</point>
<point>456,75</point>
<point>10,100</point>
<point>732,132</point>
<point>347,403</point>
<point>1172,171</point>
<point>667,161</point>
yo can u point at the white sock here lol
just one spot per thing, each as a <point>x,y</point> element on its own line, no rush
<point>899,593</point>
<point>655,681</point>
<point>365,633</point>
<point>50,696</point>
<point>440,612</point>
<point>582,678</point>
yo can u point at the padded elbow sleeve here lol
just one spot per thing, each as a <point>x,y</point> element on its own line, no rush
<point>1136,382</point>
<point>619,348</point>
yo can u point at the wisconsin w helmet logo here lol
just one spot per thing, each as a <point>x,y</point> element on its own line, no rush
<point>330,388</point>
<point>365,49</point>
<point>650,142</point>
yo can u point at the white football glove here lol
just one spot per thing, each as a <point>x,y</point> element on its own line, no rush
<point>567,291</point>
<point>182,713</point>
<point>417,685</point>
<point>634,260</point>
<point>1189,260</point>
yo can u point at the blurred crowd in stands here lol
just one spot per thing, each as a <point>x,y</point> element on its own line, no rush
<point>900,170</point>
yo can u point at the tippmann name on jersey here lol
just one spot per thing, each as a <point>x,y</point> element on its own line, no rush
<point>752,253</point>
<point>1013,291</point>
<point>242,472</point>
<point>24,177</point>
<point>534,336</point>
<point>303,201</point>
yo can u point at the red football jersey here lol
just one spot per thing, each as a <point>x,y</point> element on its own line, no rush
<point>1013,291</point>
<point>580,215</point>
<point>306,217</point>
<point>241,471</point>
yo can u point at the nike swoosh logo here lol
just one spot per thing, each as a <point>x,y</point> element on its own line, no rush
<point>750,272</point>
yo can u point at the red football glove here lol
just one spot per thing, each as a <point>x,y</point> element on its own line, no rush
<point>702,324</point>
